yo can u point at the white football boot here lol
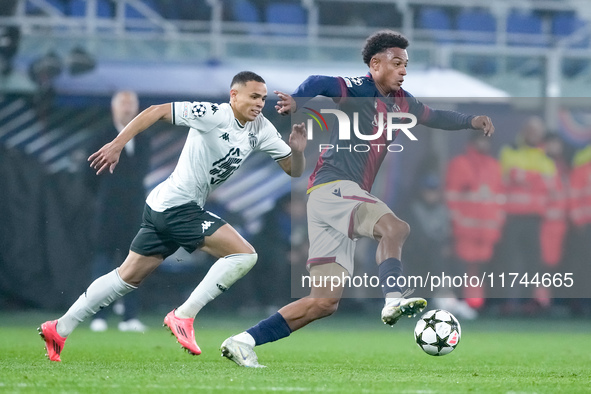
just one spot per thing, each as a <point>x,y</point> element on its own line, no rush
<point>395,308</point>
<point>241,353</point>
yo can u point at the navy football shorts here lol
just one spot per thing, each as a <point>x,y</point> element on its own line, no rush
<point>184,226</point>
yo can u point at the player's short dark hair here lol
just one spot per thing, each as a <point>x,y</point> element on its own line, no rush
<point>246,76</point>
<point>380,41</point>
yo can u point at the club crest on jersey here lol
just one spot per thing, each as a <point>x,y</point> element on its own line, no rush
<point>253,140</point>
<point>394,107</point>
<point>199,110</point>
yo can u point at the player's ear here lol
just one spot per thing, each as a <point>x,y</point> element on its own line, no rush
<point>233,93</point>
<point>374,62</point>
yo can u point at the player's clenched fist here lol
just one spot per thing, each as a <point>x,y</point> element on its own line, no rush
<point>483,123</point>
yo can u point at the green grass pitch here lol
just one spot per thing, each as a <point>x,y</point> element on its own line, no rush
<point>341,354</point>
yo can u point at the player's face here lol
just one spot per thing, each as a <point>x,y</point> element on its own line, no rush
<point>388,69</point>
<point>248,100</point>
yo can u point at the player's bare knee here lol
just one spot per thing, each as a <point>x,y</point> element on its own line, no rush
<point>402,230</point>
<point>392,228</point>
<point>136,268</point>
<point>326,306</point>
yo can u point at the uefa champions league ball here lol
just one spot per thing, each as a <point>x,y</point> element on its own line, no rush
<point>438,332</point>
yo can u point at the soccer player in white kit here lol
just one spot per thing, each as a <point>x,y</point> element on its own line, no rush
<point>221,136</point>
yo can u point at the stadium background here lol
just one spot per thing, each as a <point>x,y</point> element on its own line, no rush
<point>62,60</point>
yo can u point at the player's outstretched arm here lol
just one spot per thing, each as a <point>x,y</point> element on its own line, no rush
<point>483,123</point>
<point>286,104</point>
<point>295,164</point>
<point>108,156</point>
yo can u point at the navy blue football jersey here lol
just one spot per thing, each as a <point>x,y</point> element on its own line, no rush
<point>362,166</point>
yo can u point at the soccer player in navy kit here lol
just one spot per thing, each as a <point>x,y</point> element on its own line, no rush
<point>220,137</point>
<point>340,208</point>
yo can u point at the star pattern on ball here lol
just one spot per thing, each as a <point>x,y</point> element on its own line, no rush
<point>440,344</point>
<point>431,322</point>
<point>434,331</point>
<point>453,324</point>
<point>420,340</point>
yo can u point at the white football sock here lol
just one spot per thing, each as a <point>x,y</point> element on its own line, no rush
<point>393,295</point>
<point>245,337</point>
<point>222,274</point>
<point>100,293</point>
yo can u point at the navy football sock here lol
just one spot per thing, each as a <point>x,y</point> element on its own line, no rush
<point>271,329</point>
<point>390,268</point>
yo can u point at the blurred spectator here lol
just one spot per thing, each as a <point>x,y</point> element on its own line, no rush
<point>430,223</point>
<point>527,175</point>
<point>580,191</point>
<point>554,223</point>
<point>580,216</point>
<point>475,197</point>
<point>429,219</point>
<point>120,200</point>
<point>279,242</point>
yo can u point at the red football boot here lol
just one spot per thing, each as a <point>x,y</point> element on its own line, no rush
<point>54,343</point>
<point>183,330</point>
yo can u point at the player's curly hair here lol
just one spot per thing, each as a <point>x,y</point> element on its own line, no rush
<point>245,76</point>
<point>380,41</point>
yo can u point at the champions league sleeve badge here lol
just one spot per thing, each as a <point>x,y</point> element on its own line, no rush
<point>199,110</point>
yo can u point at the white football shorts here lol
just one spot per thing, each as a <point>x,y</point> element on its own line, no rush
<point>338,214</point>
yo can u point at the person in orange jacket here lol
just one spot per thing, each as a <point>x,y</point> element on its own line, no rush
<point>474,193</point>
<point>554,223</point>
<point>580,215</point>
<point>580,190</point>
<point>528,177</point>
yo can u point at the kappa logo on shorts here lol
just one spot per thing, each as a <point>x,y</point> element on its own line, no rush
<point>205,225</point>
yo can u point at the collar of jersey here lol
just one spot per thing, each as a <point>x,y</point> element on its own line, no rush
<point>374,82</point>
<point>238,123</point>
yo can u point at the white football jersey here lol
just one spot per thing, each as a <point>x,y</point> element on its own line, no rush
<point>216,146</point>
